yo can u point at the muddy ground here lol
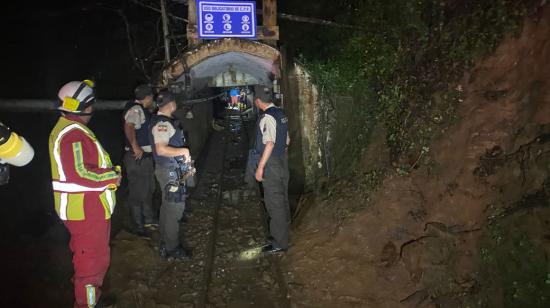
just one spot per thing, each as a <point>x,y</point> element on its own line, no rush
<point>470,227</point>
<point>225,226</point>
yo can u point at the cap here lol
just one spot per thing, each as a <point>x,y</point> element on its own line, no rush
<point>264,94</point>
<point>165,97</point>
<point>143,91</point>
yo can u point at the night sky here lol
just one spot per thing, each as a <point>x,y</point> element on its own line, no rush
<point>48,43</point>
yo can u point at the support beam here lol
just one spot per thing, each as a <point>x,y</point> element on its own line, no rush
<point>192,37</point>
<point>269,11</point>
<point>165,31</point>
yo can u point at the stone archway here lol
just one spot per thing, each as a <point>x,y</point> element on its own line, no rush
<point>214,57</point>
<point>196,74</point>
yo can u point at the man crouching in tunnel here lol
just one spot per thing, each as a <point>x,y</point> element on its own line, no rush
<point>271,145</point>
<point>84,183</point>
<point>172,167</point>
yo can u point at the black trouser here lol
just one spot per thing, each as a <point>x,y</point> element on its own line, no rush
<point>141,185</point>
<point>170,212</point>
<point>275,184</point>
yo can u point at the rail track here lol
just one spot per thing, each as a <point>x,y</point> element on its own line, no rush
<point>235,273</point>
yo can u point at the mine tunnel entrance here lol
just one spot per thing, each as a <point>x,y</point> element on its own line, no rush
<point>224,224</point>
<point>204,76</point>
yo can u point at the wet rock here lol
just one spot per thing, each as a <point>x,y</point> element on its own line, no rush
<point>188,297</point>
<point>267,278</point>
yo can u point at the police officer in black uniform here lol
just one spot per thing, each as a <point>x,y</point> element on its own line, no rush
<point>171,158</point>
<point>271,147</point>
<point>138,159</point>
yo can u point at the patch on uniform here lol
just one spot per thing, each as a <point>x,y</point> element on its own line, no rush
<point>162,128</point>
<point>265,128</point>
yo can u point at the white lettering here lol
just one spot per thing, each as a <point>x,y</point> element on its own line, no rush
<point>226,8</point>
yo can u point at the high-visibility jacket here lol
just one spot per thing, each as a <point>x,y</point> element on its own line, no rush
<point>80,167</point>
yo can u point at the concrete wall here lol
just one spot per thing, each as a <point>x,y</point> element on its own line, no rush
<point>324,131</point>
<point>301,104</point>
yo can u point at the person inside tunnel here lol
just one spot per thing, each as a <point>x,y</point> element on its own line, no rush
<point>234,94</point>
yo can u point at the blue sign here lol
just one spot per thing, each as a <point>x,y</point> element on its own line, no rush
<point>217,19</point>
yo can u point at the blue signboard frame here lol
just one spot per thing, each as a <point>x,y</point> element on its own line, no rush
<point>219,19</point>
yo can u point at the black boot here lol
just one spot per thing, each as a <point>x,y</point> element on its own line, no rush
<point>106,301</point>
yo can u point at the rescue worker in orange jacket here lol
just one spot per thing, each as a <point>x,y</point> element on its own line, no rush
<point>84,183</point>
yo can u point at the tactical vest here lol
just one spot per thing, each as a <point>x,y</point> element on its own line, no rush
<point>142,134</point>
<point>176,141</point>
<point>281,131</point>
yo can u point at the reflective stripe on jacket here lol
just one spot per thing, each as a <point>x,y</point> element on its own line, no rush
<point>80,167</point>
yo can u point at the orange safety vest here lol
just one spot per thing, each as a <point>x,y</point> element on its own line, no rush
<point>80,170</point>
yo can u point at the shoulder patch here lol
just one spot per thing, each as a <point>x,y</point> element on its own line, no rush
<point>162,128</point>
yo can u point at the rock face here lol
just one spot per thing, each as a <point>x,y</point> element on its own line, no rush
<point>470,229</point>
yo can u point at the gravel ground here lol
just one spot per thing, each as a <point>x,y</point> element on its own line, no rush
<point>225,227</point>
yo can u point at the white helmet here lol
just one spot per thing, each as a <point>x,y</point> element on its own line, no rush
<point>76,96</point>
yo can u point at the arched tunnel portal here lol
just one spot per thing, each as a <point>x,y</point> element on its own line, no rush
<point>245,62</point>
<point>215,66</point>
<point>211,69</point>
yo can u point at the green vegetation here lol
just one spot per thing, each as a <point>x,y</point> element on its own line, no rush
<point>402,63</point>
<point>513,266</point>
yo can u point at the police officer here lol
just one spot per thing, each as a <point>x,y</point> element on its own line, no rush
<point>169,153</point>
<point>271,144</point>
<point>138,159</point>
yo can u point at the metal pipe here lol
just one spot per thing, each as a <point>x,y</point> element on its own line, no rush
<point>39,105</point>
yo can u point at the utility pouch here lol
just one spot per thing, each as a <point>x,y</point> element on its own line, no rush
<point>174,192</point>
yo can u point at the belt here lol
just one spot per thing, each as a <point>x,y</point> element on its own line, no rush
<point>144,155</point>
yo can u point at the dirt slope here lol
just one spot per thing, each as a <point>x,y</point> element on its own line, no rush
<point>454,232</point>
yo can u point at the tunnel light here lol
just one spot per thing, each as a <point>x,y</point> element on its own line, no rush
<point>250,254</point>
<point>189,115</point>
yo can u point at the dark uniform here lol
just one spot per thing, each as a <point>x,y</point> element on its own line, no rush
<point>140,173</point>
<point>273,126</point>
<point>166,129</point>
